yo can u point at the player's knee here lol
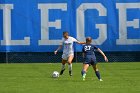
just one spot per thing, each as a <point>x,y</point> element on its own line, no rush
<point>63,63</point>
<point>95,68</point>
<point>69,62</point>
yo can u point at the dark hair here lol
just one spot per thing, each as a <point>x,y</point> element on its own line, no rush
<point>65,32</point>
<point>88,40</point>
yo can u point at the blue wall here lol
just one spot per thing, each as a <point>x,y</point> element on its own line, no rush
<point>26,21</point>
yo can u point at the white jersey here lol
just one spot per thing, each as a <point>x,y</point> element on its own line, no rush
<point>68,45</point>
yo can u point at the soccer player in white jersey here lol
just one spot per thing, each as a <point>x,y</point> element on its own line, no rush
<point>68,51</point>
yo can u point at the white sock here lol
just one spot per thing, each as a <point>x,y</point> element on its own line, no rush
<point>63,67</point>
<point>70,67</point>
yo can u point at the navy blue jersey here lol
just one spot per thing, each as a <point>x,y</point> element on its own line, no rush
<point>89,57</point>
<point>89,49</point>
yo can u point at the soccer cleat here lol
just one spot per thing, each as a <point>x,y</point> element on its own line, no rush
<point>61,72</point>
<point>70,73</point>
<point>84,76</point>
<point>100,80</point>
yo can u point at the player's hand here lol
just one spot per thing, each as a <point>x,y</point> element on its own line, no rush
<point>105,58</point>
<point>55,52</point>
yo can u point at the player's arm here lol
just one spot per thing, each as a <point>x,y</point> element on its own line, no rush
<point>60,46</point>
<point>81,42</point>
<point>78,42</point>
<point>102,53</point>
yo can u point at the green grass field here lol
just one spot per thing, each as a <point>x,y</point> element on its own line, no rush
<point>36,78</point>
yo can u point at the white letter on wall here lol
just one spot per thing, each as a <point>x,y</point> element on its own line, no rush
<point>123,23</point>
<point>81,22</point>
<point>45,24</point>
<point>7,27</point>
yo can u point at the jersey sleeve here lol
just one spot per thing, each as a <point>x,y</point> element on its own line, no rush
<point>95,47</point>
<point>74,40</point>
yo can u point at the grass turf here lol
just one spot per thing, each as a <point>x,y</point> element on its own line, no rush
<point>36,78</point>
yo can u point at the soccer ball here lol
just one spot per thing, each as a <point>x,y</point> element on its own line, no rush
<point>55,74</point>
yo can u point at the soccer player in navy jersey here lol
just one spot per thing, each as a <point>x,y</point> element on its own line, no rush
<point>90,58</point>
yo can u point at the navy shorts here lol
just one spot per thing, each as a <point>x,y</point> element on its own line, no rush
<point>91,60</point>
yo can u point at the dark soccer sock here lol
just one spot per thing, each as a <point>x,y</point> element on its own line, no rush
<point>83,72</point>
<point>98,74</point>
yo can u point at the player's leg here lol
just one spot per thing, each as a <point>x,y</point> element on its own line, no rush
<point>63,66</point>
<point>70,58</point>
<point>95,67</point>
<point>84,70</point>
<point>64,61</point>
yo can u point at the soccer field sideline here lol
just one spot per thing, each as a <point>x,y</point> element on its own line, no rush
<point>36,78</point>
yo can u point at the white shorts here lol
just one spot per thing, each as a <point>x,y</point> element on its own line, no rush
<point>65,56</point>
